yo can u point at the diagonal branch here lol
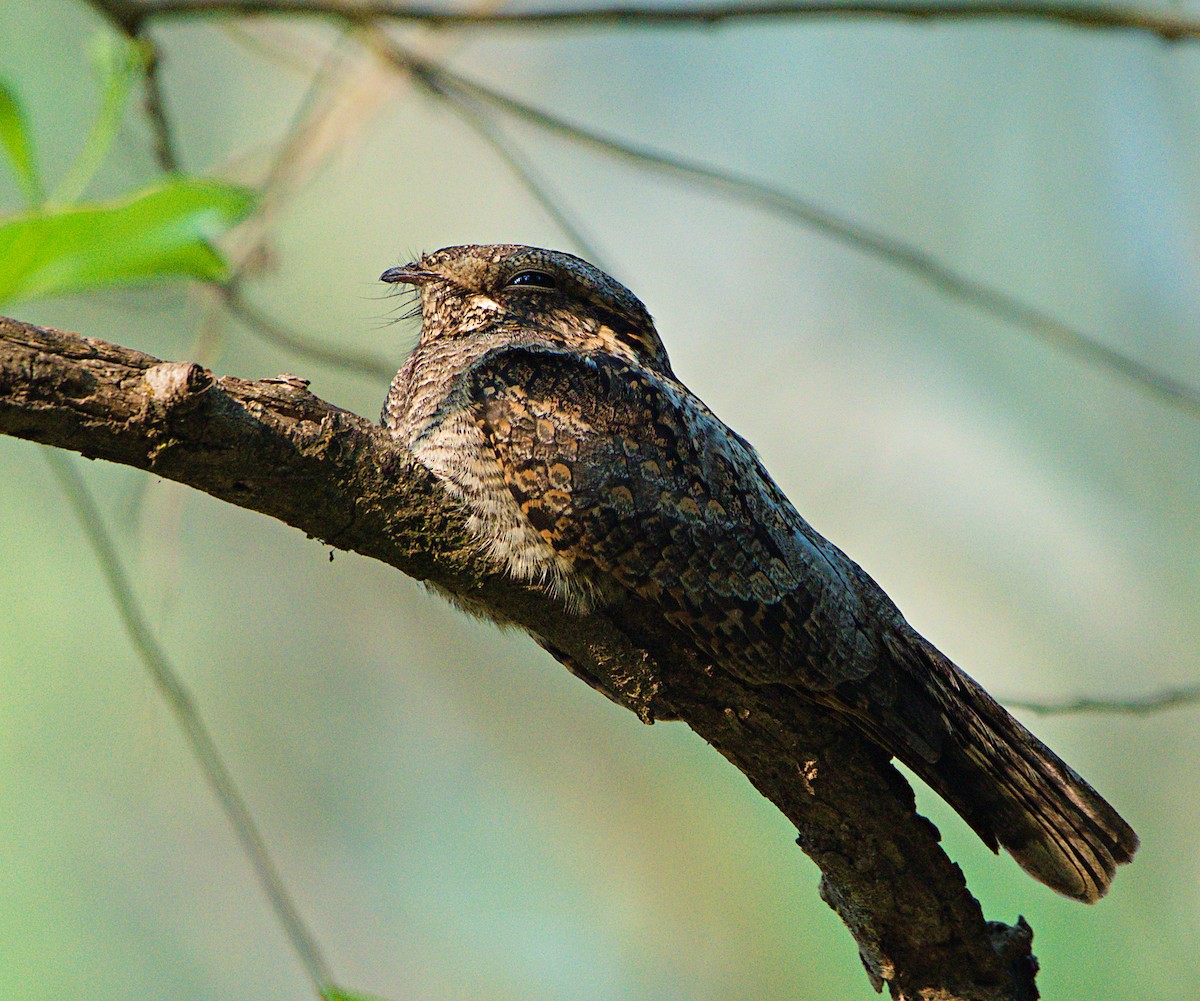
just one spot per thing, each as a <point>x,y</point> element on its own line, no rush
<point>267,329</point>
<point>273,447</point>
<point>521,167</point>
<point>1167,26</point>
<point>181,704</point>
<point>904,256</point>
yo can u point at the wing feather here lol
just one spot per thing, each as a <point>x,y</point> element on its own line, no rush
<point>627,475</point>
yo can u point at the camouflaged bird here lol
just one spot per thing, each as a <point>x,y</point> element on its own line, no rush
<point>541,396</point>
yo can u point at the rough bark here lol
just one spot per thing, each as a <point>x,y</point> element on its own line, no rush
<point>273,447</point>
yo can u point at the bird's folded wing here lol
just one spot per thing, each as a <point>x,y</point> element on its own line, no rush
<point>627,474</point>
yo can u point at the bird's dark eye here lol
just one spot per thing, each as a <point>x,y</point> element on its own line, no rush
<point>532,279</point>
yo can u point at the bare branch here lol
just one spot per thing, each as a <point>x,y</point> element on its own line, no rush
<point>274,190</point>
<point>273,447</point>
<point>154,103</point>
<point>942,277</point>
<point>272,332</point>
<point>466,94</point>
<point>195,732</point>
<point>529,176</point>
<point>1170,27</point>
<point>1144,706</point>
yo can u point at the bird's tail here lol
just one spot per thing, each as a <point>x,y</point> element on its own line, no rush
<point>1015,791</point>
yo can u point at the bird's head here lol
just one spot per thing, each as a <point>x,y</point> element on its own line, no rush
<point>471,289</point>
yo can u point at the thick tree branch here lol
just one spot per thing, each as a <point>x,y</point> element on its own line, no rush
<point>273,447</point>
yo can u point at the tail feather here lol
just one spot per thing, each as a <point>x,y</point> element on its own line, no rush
<point>1015,791</point>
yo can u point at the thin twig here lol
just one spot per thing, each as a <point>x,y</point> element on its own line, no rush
<point>293,157</point>
<point>1144,706</point>
<point>152,655</point>
<point>1170,27</point>
<point>275,333</point>
<point>130,22</point>
<point>977,294</point>
<point>183,706</point>
<point>520,165</point>
<point>154,104</point>
<point>529,176</point>
<point>305,145</point>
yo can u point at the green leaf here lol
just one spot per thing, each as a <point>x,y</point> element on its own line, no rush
<point>14,134</point>
<point>161,231</point>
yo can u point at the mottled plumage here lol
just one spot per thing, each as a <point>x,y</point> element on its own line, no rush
<point>541,395</point>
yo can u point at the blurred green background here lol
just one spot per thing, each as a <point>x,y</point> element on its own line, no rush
<point>459,818</point>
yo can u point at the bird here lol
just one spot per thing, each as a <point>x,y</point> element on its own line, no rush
<point>542,398</point>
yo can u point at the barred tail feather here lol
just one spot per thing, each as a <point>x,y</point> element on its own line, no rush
<point>1015,791</point>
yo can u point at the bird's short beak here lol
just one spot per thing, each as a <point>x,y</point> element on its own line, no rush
<point>409,274</point>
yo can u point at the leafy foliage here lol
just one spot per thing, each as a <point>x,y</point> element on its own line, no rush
<point>160,231</point>
<point>63,244</point>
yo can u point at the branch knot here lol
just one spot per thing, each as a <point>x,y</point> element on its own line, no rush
<point>172,384</point>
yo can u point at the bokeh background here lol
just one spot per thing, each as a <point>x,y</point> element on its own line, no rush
<point>457,817</point>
